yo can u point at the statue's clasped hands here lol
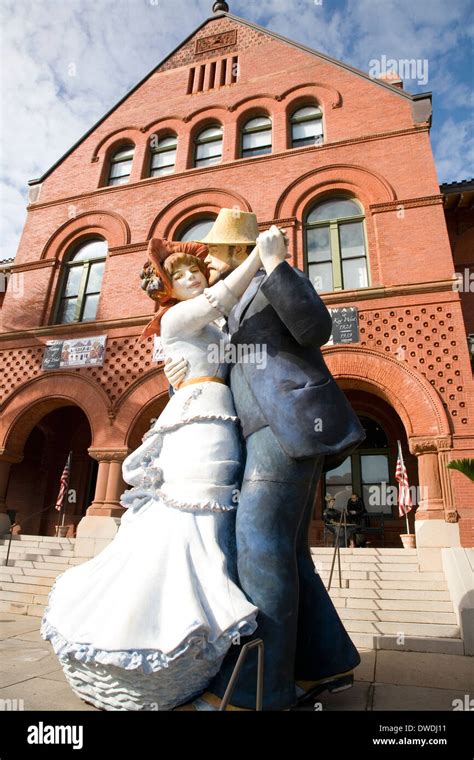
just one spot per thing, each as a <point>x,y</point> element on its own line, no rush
<point>273,247</point>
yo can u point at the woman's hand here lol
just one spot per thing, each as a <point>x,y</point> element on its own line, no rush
<point>175,371</point>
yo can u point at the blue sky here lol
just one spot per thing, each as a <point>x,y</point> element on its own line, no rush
<point>66,62</point>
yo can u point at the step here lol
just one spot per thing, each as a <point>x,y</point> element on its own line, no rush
<point>16,596</point>
<point>367,593</point>
<point>25,537</point>
<point>17,544</point>
<point>394,628</point>
<point>420,605</point>
<point>34,553</point>
<point>51,541</point>
<point>12,562</point>
<point>50,565</point>
<point>36,610</point>
<point>41,600</point>
<point>44,573</point>
<point>370,559</point>
<point>437,645</point>
<point>380,576</point>
<point>396,585</point>
<point>33,561</point>
<point>33,588</point>
<point>15,608</point>
<point>388,552</point>
<point>397,616</point>
<point>376,565</point>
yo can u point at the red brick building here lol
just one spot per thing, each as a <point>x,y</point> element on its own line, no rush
<point>238,116</point>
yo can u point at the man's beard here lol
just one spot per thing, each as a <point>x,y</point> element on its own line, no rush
<point>216,276</point>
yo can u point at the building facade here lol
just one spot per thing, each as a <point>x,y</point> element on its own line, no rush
<point>240,117</point>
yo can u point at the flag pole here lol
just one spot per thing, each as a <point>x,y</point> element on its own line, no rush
<point>61,511</point>
<point>403,465</point>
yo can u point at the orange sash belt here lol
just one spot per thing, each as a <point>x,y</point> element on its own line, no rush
<point>202,379</point>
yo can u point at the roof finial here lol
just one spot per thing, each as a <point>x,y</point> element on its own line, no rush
<point>218,7</point>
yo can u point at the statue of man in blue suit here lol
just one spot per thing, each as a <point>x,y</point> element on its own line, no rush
<point>297,423</point>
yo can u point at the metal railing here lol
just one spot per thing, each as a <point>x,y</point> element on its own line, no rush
<point>238,667</point>
<point>35,514</point>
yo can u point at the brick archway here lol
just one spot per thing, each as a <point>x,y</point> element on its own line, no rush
<point>411,395</point>
<point>197,201</point>
<point>36,398</point>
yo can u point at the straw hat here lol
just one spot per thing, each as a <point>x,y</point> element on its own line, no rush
<point>233,227</point>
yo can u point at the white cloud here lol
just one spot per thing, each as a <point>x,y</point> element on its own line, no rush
<point>454,148</point>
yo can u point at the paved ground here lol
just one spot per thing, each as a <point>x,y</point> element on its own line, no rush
<point>385,680</point>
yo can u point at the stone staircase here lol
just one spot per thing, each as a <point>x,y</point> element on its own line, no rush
<point>386,601</point>
<point>33,564</point>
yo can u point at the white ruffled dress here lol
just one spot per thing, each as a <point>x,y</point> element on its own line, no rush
<point>145,624</point>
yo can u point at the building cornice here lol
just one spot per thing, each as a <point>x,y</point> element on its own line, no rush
<point>343,297</point>
<point>402,203</point>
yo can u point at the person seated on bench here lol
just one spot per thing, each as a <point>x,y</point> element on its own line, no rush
<point>358,514</point>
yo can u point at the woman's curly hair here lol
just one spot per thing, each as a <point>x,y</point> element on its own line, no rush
<point>163,258</point>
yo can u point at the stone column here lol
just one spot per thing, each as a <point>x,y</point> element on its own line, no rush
<point>433,531</point>
<point>102,520</point>
<point>100,487</point>
<point>109,482</point>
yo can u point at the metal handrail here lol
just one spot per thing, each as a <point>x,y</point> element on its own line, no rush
<point>45,509</point>
<point>238,667</point>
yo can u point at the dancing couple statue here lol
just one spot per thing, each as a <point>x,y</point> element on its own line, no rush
<point>212,551</point>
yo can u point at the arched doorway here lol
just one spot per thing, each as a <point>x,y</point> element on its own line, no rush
<point>370,472</point>
<point>34,482</point>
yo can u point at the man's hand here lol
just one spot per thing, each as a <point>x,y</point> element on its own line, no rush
<point>272,245</point>
<point>175,371</point>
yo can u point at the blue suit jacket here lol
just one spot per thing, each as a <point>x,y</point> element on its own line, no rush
<point>297,395</point>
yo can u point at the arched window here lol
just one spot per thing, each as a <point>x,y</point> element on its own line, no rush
<point>307,127</point>
<point>257,137</point>
<point>335,245</point>
<point>197,230</point>
<point>121,165</point>
<point>163,155</point>
<point>209,146</point>
<point>82,282</point>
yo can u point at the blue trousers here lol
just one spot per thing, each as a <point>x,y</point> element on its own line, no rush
<point>303,635</point>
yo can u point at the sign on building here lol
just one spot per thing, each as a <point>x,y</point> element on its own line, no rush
<point>345,325</point>
<point>79,352</point>
<point>158,353</point>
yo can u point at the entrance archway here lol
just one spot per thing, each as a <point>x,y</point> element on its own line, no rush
<point>370,473</point>
<point>34,482</point>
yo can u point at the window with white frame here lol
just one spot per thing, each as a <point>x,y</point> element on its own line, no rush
<point>208,146</point>
<point>121,165</point>
<point>163,155</point>
<point>335,248</point>
<point>257,137</point>
<point>306,127</point>
<point>82,281</point>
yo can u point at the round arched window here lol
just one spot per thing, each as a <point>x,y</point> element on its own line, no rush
<point>335,248</point>
<point>82,281</point>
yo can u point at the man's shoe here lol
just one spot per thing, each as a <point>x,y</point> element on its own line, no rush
<point>209,702</point>
<point>306,691</point>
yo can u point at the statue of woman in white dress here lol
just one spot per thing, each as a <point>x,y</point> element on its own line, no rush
<point>145,624</point>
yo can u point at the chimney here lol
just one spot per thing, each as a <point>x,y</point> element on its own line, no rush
<point>391,77</point>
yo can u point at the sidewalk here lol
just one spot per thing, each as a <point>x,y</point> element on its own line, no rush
<point>386,680</point>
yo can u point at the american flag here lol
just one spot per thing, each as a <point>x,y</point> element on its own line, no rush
<point>63,484</point>
<point>404,495</point>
